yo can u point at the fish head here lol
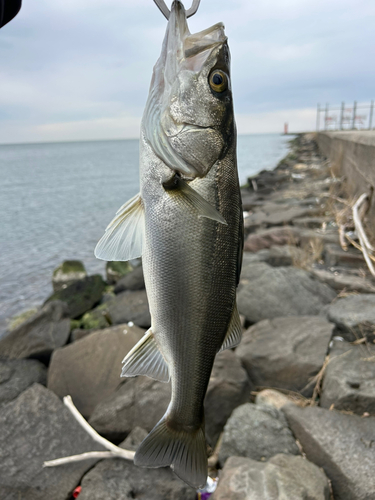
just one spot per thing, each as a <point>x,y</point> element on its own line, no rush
<point>189,118</point>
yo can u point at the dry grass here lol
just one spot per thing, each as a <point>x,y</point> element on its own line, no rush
<point>309,253</point>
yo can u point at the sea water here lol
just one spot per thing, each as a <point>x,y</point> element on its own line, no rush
<point>57,199</point>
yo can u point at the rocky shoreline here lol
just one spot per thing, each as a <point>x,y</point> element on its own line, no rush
<point>289,414</point>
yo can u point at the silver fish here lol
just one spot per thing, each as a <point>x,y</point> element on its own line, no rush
<point>186,223</point>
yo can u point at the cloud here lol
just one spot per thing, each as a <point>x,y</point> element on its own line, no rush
<point>65,64</point>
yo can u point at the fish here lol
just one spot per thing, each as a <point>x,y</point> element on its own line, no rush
<point>186,224</point>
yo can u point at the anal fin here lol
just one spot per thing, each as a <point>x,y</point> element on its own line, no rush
<point>146,359</point>
<point>234,333</point>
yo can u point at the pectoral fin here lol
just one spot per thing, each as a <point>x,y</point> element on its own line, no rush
<point>146,359</point>
<point>123,238</point>
<point>234,333</point>
<point>191,197</point>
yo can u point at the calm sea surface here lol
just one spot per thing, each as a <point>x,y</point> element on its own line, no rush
<point>57,199</point>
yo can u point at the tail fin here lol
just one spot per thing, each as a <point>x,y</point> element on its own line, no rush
<point>184,451</point>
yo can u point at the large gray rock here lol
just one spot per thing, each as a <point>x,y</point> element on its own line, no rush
<point>349,378</point>
<point>33,428</point>
<point>257,432</point>
<point>354,315</point>
<point>344,281</point>
<point>267,292</point>
<point>340,444</point>
<point>283,477</point>
<point>142,401</point>
<point>17,375</point>
<point>228,388</point>
<point>276,214</point>
<point>118,479</point>
<point>267,238</point>
<point>130,306</point>
<point>134,439</point>
<point>81,295</point>
<point>67,273</point>
<point>286,352</point>
<point>39,335</point>
<point>132,281</point>
<point>89,369</point>
<point>137,402</point>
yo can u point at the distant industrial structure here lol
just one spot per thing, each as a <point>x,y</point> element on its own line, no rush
<point>346,118</point>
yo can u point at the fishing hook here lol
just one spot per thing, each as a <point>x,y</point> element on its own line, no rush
<point>166,12</point>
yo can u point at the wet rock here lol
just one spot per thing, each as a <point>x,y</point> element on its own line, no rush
<point>96,319</point>
<point>89,369</point>
<point>117,270</point>
<point>134,439</point>
<point>39,335</point>
<point>18,319</point>
<point>137,402</point>
<point>354,315</point>
<point>78,334</point>
<point>36,427</point>
<point>257,432</point>
<point>130,306</point>
<point>117,479</point>
<point>67,273</point>
<point>336,256</point>
<point>228,388</point>
<point>349,379</point>
<point>134,280</point>
<point>267,292</point>
<point>287,352</point>
<point>267,238</point>
<point>282,477</point>
<point>341,444</point>
<point>80,296</point>
<point>17,375</point>
<point>340,281</point>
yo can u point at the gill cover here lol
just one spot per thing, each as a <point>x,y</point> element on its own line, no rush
<point>182,117</point>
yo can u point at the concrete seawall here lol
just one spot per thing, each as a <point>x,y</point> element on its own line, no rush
<point>352,155</point>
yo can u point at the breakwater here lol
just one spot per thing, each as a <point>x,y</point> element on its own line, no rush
<point>286,411</point>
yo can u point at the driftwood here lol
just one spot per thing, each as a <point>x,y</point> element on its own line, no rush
<point>366,246</point>
<point>113,450</point>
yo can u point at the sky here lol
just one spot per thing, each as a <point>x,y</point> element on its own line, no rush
<point>80,69</point>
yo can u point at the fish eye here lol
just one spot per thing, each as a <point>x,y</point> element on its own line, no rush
<point>218,80</point>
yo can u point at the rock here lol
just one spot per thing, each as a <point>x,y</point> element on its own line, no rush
<point>340,444</point>
<point>311,222</point>
<point>354,315</point>
<point>341,281</point>
<point>130,306</point>
<point>117,270</point>
<point>137,402</point>
<point>96,319</point>
<point>89,369</point>
<point>81,296</point>
<point>17,375</point>
<point>39,335</point>
<point>132,281</point>
<point>349,379</point>
<point>287,352</point>
<point>78,334</point>
<point>267,292</point>
<point>142,401</point>
<point>267,238</point>
<point>276,214</point>
<point>134,439</point>
<point>257,432</point>
<point>117,479</point>
<point>36,427</point>
<point>17,320</point>
<point>335,256</point>
<point>67,273</point>
<point>270,397</point>
<point>283,477</point>
<point>228,388</point>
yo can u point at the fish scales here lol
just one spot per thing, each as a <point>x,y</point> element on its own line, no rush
<point>186,223</point>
